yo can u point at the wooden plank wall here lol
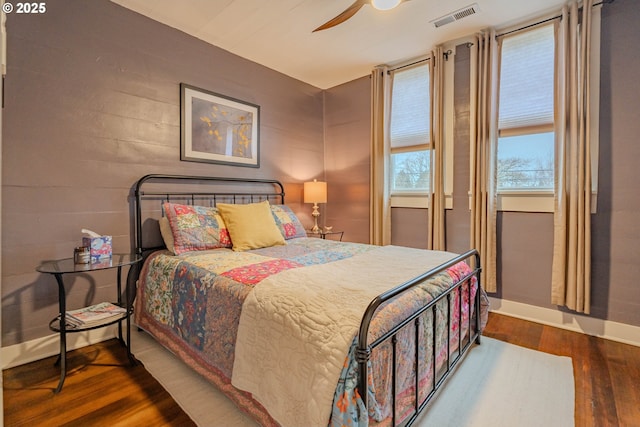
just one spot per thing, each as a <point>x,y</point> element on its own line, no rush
<point>92,103</point>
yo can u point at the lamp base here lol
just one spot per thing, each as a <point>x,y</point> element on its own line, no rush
<point>315,229</point>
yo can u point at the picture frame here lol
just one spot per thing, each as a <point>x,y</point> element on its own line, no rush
<point>218,129</point>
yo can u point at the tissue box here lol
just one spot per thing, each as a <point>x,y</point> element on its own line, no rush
<point>99,247</point>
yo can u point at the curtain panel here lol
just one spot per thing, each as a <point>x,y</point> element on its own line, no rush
<point>484,119</point>
<point>436,221</point>
<point>380,201</point>
<point>571,270</point>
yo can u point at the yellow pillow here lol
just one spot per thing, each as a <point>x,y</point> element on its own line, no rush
<point>251,226</point>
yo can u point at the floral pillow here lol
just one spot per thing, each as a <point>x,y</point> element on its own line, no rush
<point>288,223</point>
<point>196,228</point>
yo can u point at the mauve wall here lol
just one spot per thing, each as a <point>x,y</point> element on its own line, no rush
<point>92,103</point>
<point>616,226</point>
<point>525,240</point>
<point>347,158</point>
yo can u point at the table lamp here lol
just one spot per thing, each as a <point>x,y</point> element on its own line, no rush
<point>315,192</point>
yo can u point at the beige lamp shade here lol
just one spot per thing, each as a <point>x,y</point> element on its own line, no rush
<point>315,192</point>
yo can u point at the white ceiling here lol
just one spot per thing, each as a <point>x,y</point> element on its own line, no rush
<point>278,33</point>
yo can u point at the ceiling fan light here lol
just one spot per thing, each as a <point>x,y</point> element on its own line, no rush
<point>385,4</point>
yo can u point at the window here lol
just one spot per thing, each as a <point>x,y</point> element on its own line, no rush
<point>410,171</point>
<point>410,131</point>
<point>526,138</point>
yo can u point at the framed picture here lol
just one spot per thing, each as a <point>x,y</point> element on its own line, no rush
<point>218,129</point>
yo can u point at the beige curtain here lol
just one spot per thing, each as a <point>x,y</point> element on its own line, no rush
<point>380,204</point>
<point>436,227</point>
<point>571,271</point>
<point>484,119</point>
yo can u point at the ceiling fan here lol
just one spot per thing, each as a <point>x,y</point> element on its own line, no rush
<point>355,7</point>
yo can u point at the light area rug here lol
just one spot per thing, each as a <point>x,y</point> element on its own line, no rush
<point>501,385</point>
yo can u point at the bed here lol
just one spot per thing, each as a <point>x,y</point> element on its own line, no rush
<point>297,330</point>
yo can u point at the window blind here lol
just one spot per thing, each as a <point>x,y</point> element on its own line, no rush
<point>526,80</point>
<point>410,107</point>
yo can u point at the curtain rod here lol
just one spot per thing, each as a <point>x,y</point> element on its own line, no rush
<point>547,20</point>
<point>408,65</point>
<point>445,54</point>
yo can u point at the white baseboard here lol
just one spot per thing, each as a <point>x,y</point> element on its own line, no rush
<point>614,331</point>
<point>40,348</point>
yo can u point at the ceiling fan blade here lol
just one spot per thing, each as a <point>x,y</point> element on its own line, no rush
<point>348,13</point>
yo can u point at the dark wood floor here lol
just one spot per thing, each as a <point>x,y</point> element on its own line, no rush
<point>103,390</point>
<point>606,373</point>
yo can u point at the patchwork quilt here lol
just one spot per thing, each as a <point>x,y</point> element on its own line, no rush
<point>274,328</point>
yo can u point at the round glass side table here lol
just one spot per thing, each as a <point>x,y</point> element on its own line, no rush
<point>58,268</point>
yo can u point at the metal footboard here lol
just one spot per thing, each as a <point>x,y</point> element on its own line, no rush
<point>364,348</point>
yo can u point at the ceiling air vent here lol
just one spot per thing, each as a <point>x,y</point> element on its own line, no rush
<point>457,15</point>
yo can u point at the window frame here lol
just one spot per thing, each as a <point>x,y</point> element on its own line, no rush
<point>421,199</point>
<point>543,201</point>
<point>522,196</point>
<point>396,194</point>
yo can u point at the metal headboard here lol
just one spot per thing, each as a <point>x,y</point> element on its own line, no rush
<point>199,190</point>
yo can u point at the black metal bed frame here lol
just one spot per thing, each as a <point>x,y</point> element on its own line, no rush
<point>364,349</point>
<point>193,196</point>
<point>273,189</point>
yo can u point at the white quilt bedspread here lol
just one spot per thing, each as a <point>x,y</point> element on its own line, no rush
<point>296,328</point>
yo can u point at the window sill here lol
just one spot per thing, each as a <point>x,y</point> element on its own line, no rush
<point>532,201</point>
<point>420,201</point>
<point>508,201</point>
<point>525,201</point>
